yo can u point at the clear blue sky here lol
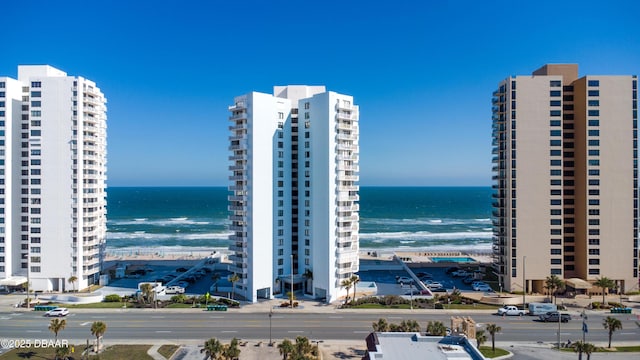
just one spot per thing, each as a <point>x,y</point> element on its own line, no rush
<point>421,71</point>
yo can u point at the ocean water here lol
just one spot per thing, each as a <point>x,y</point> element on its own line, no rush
<point>164,219</point>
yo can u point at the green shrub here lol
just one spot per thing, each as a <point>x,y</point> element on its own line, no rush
<point>179,299</point>
<point>112,298</point>
<point>439,306</point>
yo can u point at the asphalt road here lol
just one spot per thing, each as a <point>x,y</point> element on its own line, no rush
<point>132,325</point>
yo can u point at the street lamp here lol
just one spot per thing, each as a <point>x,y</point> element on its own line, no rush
<point>524,281</point>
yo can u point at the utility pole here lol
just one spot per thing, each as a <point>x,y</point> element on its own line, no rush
<point>292,281</point>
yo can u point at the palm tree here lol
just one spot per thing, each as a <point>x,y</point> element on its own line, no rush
<point>381,326</point>
<point>308,275</point>
<point>588,349</point>
<point>215,278</point>
<point>346,283</point>
<point>436,328</point>
<point>62,352</point>
<point>231,351</point>
<point>481,337</point>
<point>303,347</point>
<point>604,283</point>
<point>233,279</point>
<point>579,347</point>
<point>286,348</point>
<point>212,348</point>
<point>146,289</point>
<point>56,326</point>
<point>409,326</point>
<point>612,324</point>
<point>553,283</point>
<point>355,279</point>
<point>98,328</point>
<point>493,329</point>
<point>72,280</point>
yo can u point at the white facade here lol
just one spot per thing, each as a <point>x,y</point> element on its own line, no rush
<point>54,187</point>
<point>294,196</point>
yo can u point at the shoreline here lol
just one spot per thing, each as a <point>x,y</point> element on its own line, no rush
<point>194,254</point>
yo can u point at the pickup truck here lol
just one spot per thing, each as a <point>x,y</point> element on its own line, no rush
<point>510,310</point>
<point>174,290</point>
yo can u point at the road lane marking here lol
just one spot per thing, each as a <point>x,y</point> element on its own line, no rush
<point>157,317</point>
<point>163,331</point>
<point>85,323</point>
<point>5,318</point>
<point>229,331</point>
<point>34,331</point>
<point>295,331</point>
<point>98,317</point>
<point>336,317</point>
<point>361,332</point>
<point>627,333</point>
<point>216,317</point>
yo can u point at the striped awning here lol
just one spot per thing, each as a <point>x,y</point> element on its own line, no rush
<point>578,283</point>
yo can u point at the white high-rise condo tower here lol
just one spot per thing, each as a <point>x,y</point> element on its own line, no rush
<point>294,196</point>
<point>52,179</point>
<point>565,165</point>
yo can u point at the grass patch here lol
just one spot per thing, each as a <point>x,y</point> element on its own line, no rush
<point>379,306</point>
<point>621,349</point>
<point>488,353</point>
<point>168,350</point>
<point>116,352</point>
<point>100,305</point>
<point>472,307</point>
<point>129,352</point>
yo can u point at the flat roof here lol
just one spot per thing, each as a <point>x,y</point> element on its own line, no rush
<point>409,346</point>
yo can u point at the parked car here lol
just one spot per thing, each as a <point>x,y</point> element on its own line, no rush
<point>468,280</point>
<point>485,288</point>
<point>424,275</point>
<point>404,280</point>
<point>460,273</point>
<point>510,310</point>
<point>57,312</point>
<point>434,285</point>
<point>552,316</point>
<point>440,289</point>
<point>452,269</point>
<point>174,290</point>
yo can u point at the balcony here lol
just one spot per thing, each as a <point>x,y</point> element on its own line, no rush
<point>240,105</point>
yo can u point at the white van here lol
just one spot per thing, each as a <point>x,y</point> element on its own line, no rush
<point>541,308</point>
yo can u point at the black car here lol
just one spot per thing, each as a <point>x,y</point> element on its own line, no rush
<point>452,270</point>
<point>552,316</point>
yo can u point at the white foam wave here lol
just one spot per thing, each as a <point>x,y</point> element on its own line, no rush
<point>141,235</point>
<point>425,235</point>
<point>421,221</point>
<point>182,221</point>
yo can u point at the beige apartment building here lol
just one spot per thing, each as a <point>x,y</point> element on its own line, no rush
<point>565,171</point>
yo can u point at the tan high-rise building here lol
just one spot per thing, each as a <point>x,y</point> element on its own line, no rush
<point>565,171</point>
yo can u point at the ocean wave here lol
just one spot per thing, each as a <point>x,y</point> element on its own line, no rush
<point>421,221</point>
<point>484,248</point>
<point>425,235</point>
<point>181,221</point>
<point>141,235</point>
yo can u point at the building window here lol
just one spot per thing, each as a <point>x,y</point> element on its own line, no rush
<point>36,84</point>
<point>593,93</point>
<point>555,83</point>
<point>594,271</point>
<point>593,83</point>
<point>556,251</point>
